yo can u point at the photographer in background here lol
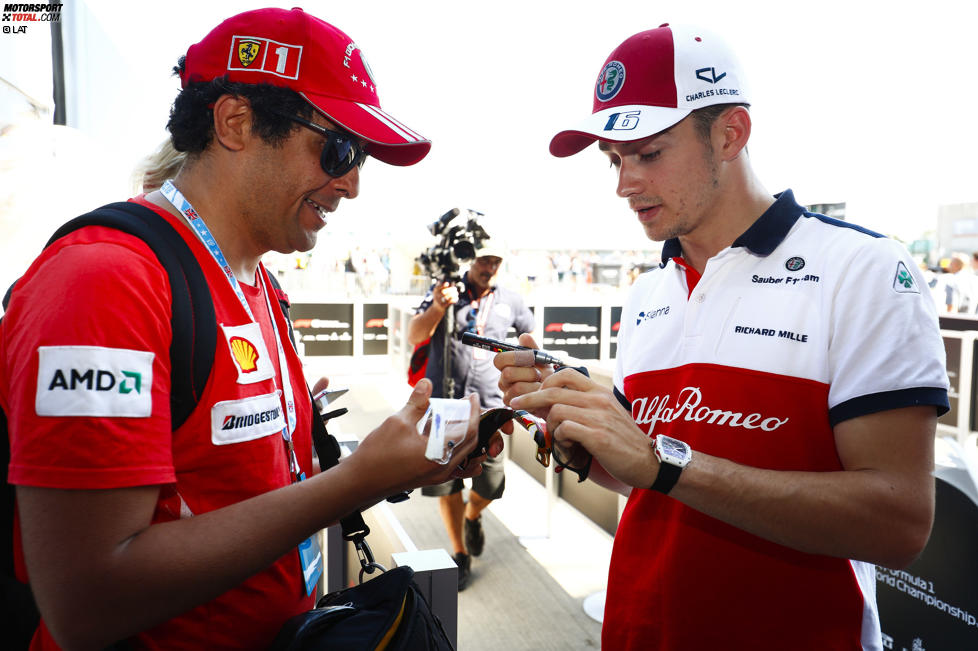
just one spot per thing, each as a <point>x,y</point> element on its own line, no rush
<point>489,310</point>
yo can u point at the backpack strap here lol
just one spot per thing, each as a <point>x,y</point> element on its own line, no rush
<point>328,450</point>
<point>18,613</point>
<point>192,310</point>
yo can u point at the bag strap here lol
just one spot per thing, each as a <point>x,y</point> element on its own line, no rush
<point>354,528</point>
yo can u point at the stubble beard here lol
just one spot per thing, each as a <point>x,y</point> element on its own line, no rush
<point>686,220</point>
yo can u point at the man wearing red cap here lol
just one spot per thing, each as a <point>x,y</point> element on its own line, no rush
<point>777,386</point>
<point>189,538</point>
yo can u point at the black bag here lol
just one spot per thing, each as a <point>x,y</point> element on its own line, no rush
<point>385,613</point>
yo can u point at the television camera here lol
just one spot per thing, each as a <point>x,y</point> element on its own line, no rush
<point>458,243</point>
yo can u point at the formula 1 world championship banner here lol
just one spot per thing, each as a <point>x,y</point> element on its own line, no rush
<point>575,331</point>
<point>323,328</point>
<point>933,604</point>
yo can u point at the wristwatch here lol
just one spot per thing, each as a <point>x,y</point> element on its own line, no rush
<point>673,456</point>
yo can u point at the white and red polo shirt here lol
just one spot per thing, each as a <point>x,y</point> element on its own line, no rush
<point>802,323</point>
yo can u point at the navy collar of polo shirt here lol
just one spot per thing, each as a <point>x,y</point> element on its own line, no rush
<point>763,236</point>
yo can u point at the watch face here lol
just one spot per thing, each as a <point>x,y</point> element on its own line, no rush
<point>673,451</point>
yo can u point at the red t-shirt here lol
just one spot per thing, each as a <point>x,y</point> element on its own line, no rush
<point>85,382</point>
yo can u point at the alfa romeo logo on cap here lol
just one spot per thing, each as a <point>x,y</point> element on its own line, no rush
<point>610,81</point>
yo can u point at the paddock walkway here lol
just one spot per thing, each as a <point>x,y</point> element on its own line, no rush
<point>531,582</point>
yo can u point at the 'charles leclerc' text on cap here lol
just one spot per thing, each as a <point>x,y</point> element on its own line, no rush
<point>652,81</point>
<point>293,49</point>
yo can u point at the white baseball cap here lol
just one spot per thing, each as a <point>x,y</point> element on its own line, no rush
<point>494,246</point>
<point>652,81</point>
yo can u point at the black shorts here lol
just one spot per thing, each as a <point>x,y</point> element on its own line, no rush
<point>489,485</point>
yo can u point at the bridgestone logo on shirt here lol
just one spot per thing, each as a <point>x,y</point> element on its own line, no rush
<point>94,381</point>
<point>237,422</point>
<point>247,419</point>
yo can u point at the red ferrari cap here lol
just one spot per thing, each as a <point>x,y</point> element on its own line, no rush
<point>293,49</point>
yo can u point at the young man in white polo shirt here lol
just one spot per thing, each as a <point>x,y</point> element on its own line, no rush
<point>777,387</point>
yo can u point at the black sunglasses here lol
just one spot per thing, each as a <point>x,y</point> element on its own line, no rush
<point>340,153</point>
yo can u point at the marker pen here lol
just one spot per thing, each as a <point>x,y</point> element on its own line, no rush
<point>539,356</point>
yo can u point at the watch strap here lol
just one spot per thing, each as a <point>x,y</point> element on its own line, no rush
<point>667,478</point>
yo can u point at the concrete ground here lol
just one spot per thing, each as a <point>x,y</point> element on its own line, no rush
<point>540,566</point>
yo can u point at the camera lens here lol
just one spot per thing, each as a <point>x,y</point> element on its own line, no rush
<point>464,250</point>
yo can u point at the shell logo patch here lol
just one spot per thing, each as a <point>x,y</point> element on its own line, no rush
<point>244,354</point>
<point>248,52</point>
<point>248,353</point>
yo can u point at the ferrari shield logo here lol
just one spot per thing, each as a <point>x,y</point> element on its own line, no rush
<point>248,52</point>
